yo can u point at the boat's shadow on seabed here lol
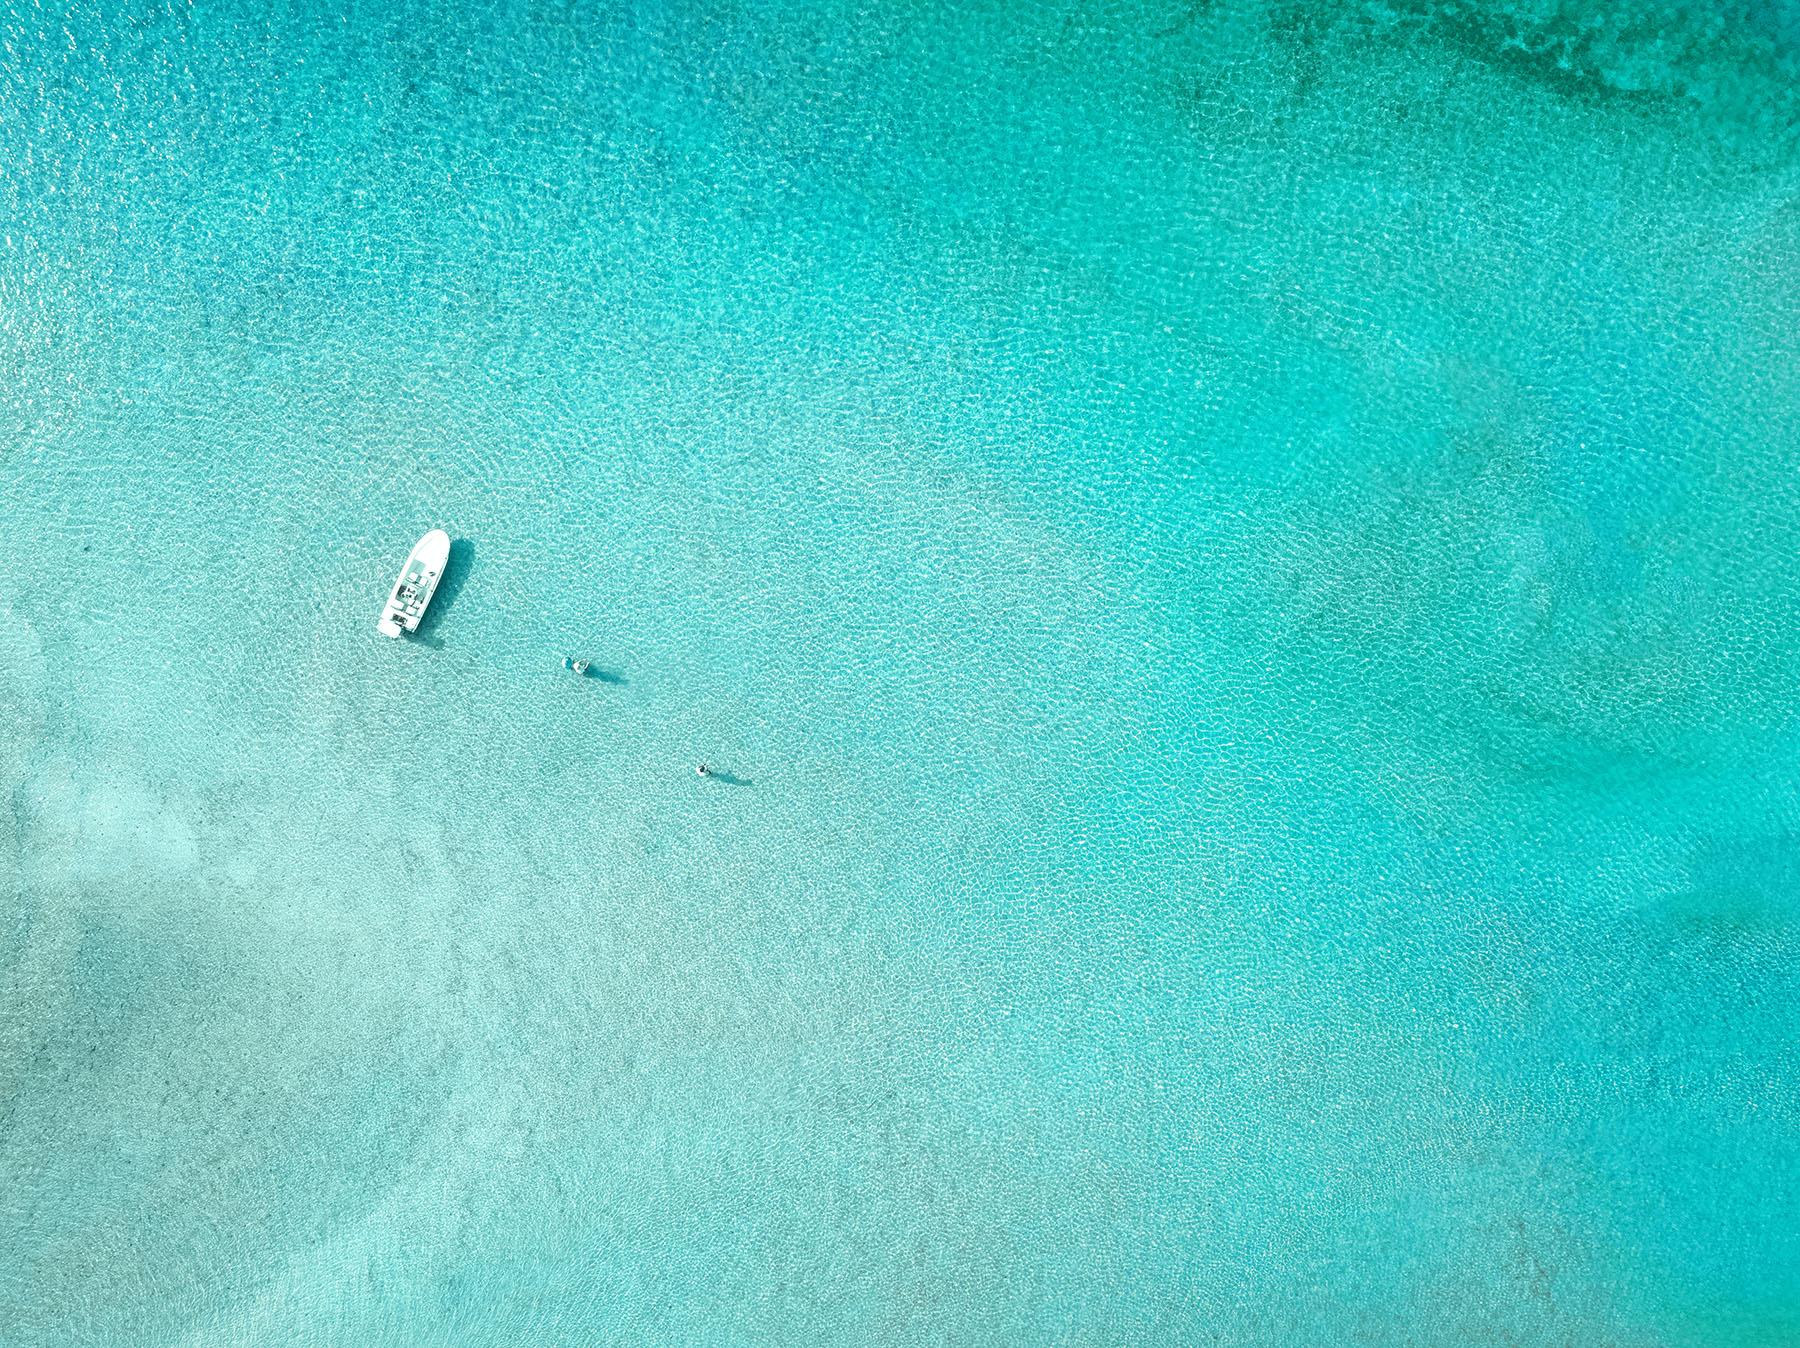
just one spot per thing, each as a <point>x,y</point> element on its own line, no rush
<point>456,575</point>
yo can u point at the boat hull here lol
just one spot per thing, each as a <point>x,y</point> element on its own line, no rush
<point>417,584</point>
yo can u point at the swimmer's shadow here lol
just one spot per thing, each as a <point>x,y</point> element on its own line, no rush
<point>611,676</point>
<point>714,775</point>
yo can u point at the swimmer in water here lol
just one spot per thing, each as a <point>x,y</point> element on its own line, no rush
<point>703,770</point>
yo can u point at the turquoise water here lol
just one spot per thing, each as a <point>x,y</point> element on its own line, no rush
<point>1238,565</point>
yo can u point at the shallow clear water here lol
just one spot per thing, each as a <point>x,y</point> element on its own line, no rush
<point>1238,569</point>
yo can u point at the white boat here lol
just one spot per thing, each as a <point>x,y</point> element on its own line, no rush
<point>418,582</point>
